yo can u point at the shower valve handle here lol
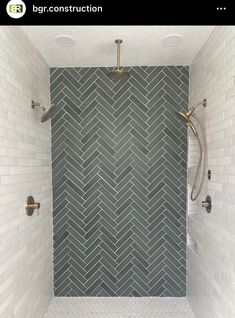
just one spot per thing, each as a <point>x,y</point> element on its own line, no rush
<point>30,205</point>
<point>207,204</point>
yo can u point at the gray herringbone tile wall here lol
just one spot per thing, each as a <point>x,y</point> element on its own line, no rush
<point>119,182</point>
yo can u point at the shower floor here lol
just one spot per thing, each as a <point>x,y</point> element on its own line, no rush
<point>120,307</point>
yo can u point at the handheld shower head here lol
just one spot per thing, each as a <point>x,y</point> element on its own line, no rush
<point>200,172</point>
<point>185,116</point>
<point>47,112</point>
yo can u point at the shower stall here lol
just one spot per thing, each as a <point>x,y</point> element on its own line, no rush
<point>118,198</point>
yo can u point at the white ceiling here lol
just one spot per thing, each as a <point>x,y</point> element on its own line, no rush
<point>95,44</point>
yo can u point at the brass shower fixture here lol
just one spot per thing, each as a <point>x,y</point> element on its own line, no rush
<point>118,72</point>
<point>201,167</point>
<point>47,112</point>
<point>186,115</point>
<point>31,205</point>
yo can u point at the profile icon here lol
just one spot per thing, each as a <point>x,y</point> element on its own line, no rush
<point>16,9</point>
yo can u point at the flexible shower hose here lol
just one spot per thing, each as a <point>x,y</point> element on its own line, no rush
<point>202,162</point>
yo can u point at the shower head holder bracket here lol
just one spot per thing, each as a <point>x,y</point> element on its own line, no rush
<point>204,102</point>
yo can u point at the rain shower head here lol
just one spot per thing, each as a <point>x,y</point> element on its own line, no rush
<point>118,72</point>
<point>47,112</point>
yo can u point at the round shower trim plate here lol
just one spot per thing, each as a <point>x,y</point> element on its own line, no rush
<point>172,40</point>
<point>65,40</point>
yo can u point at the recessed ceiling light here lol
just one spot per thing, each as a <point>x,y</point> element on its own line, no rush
<point>65,40</point>
<point>172,40</point>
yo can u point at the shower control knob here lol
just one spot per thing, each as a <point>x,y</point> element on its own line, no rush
<point>207,204</point>
<point>30,205</point>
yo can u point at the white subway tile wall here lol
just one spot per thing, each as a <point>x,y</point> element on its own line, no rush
<point>25,169</point>
<point>211,261</point>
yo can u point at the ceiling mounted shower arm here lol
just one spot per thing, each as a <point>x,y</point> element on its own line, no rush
<point>118,42</point>
<point>118,72</point>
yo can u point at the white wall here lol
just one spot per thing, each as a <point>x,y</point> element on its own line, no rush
<point>211,263</point>
<point>25,169</point>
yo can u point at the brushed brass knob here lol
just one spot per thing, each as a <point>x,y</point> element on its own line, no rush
<point>30,205</point>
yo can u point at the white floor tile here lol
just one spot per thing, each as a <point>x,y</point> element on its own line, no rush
<point>119,307</point>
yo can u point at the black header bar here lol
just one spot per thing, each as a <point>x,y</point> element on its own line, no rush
<point>116,12</point>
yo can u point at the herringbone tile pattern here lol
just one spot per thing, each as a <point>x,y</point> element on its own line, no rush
<point>119,182</point>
